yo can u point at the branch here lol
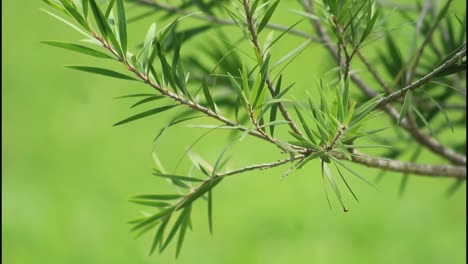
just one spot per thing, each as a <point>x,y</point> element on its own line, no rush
<point>427,78</point>
<point>458,172</point>
<point>260,166</point>
<point>253,33</point>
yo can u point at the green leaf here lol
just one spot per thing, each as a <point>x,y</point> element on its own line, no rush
<point>257,86</point>
<point>145,114</point>
<point>304,125</point>
<point>353,172</point>
<point>208,97</point>
<point>99,18</point>
<point>363,110</point>
<point>153,218</point>
<point>274,108</point>
<point>109,8</point>
<point>69,24</point>
<point>310,157</point>
<point>102,71</point>
<point>175,227</point>
<point>78,48</point>
<point>217,162</point>
<point>254,6</point>
<point>298,50</point>
<point>346,183</point>
<point>404,108</point>
<point>158,237</point>
<point>183,229</point>
<point>84,5</point>
<point>122,25</point>
<point>148,99</point>
<point>305,144</point>
<point>267,16</point>
<point>333,184</point>
<point>177,177</point>
<point>158,196</point>
<point>55,5</point>
<point>454,187</point>
<point>238,89</point>
<point>146,229</point>
<point>105,28</point>
<point>74,13</point>
<point>210,211</point>
<point>202,189</point>
<point>423,119</point>
<point>369,26</point>
<point>136,95</point>
<point>167,71</point>
<point>275,123</point>
<point>283,33</point>
<point>145,55</point>
<point>150,203</point>
<point>444,113</point>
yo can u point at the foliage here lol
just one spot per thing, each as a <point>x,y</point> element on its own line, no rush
<point>245,91</point>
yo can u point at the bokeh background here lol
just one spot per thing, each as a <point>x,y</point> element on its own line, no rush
<point>67,173</point>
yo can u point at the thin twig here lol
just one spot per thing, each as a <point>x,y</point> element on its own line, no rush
<point>427,78</point>
<point>255,42</point>
<point>458,172</point>
<point>260,166</point>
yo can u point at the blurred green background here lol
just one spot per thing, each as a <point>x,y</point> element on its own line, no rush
<point>67,174</point>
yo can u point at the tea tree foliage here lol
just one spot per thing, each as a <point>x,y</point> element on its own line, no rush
<point>420,89</point>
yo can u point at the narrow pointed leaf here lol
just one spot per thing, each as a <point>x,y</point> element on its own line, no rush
<point>84,5</point>
<point>145,114</point>
<point>148,99</point>
<point>78,48</point>
<point>333,184</point>
<point>454,187</point>
<point>157,196</point>
<point>88,36</point>
<point>353,172</point>
<point>158,237</point>
<point>210,211</point>
<point>102,71</point>
<point>267,16</point>
<point>150,203</point>
<point>153,218</point>
<point>175,228</point>
<point>274,108</point>
<point>182,231</point>
<point>177,177</point>
<point>74,13</point>
<point>404,108</point>
<point>109,8</point>
<point>346,183</point>
<point>122,25</point>
<point>208,97</point>
<point>310,157</point>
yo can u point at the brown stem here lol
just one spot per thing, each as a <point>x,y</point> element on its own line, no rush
<point>256,43</point>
